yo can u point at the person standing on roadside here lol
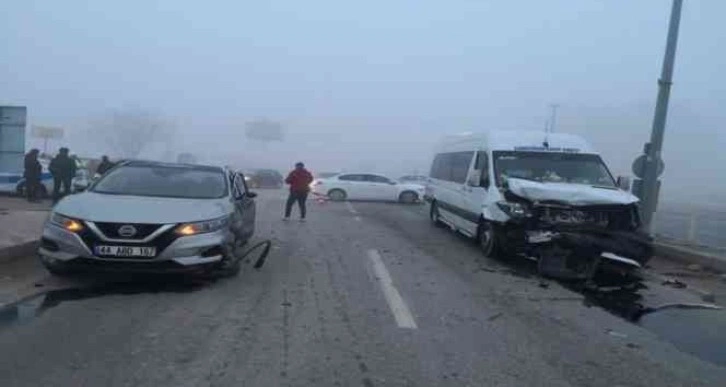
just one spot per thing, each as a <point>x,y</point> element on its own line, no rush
<point>299,180</point>
<point>63,169</point>
<point>32,174</point>
<point>105,165</point>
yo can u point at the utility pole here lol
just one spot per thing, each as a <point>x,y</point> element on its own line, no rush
<point>553,118</point>
<point>651,165</point>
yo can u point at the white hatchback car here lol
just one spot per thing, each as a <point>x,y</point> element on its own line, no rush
<point>367,186</point>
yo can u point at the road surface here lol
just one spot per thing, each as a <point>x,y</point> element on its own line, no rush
<point>363,294</point>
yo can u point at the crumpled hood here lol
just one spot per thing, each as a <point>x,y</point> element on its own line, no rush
<point>140,209</point>
<point>573,194</point>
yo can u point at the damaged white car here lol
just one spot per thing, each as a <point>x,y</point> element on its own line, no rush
<point>549,197</point>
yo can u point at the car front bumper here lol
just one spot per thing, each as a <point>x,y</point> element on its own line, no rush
<point>184,253</point>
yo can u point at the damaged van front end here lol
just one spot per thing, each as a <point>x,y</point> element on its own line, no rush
<point>570,229</point>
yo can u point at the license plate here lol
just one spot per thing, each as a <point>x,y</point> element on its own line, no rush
<point>126,251</point>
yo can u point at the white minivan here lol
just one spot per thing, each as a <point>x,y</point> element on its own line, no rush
<point>547,196</point>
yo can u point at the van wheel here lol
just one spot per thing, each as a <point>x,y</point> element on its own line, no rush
<point>434,215</point>
<point>408,197</point>
<point>337,195</point>
<point>489,239</point>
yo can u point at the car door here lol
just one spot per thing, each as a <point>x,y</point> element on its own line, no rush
<point>245,207</point>
<point>380,188</point>
<point>354,186</point>
<point>475,190</point>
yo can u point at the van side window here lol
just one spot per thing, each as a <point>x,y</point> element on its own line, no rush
<point>482,164</point>
<point>460,162</point>
<point>440,169</point>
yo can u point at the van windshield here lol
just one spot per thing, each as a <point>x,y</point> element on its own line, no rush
<point>555,167</point>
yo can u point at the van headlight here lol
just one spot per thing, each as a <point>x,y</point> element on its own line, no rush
<point>202,227</point>
<point>514,209</point>
<point>69,224</point>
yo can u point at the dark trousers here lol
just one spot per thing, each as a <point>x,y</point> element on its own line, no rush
<point>300,198</point>
<point>32,188</point>
<point>61,182</point>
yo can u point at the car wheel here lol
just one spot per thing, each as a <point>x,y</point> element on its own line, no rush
<point>408,197</point>
<point>489,239</point>
<point>337,195</point>
<point>435,216</point>
<point>42,191</point>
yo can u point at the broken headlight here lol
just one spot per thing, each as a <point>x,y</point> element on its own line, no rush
<point>515,209</point>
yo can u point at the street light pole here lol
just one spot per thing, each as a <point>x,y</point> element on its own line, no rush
<point>553,119</point>
<point>652,169</point>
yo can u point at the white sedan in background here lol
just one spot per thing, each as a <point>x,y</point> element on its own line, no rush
<point>367,186</point>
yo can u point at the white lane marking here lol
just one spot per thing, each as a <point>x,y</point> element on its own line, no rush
<point>357,218</point>
<point>400,310</point>
<point>350,208</point>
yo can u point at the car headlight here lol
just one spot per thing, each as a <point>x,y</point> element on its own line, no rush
<point>514,209</point>
<point>70,224</point>
<point>202,227</point>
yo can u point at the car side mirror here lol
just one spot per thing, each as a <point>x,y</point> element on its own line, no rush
<point>251,195</point>
<point>623,182</point>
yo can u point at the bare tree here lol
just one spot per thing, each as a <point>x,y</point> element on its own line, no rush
<point>127,133</point>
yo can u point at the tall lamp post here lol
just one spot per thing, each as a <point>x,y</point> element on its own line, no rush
<point>649,166</point>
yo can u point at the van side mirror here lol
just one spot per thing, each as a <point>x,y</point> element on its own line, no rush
<point>474,179</point>
<point>623,182</point>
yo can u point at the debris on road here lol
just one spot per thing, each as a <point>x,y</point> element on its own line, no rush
<point>616,334</point>
<point>672,282</point>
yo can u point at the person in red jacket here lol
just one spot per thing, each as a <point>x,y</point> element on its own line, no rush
<point>299,180</point>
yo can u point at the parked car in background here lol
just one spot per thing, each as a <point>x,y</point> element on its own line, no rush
<point>325,175</point>
<point>265,178</point>
<point>15,182</point>
<point>367,186</point>
<point>151,217</point>
<point>418,179</point>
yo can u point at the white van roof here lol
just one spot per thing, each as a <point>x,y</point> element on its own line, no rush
<point>503,140</point>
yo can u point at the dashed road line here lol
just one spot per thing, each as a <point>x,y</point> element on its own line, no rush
<point>398,306</point>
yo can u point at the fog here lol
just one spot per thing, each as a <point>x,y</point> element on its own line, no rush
<point>372,85</point>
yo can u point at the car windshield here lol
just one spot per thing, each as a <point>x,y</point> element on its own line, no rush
<point>164,181</point>
<point>552,167</point>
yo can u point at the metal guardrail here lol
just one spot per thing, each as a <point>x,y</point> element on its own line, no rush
<point>692,227</point>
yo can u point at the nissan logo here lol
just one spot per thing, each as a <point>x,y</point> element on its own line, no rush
<point>127,231</point>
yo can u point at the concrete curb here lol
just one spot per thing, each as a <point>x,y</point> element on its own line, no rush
<point>689,256</point>
<point>11,253</point>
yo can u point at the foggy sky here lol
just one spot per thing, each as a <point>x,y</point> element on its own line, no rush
<point>373,84</point>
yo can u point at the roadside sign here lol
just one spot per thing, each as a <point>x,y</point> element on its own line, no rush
<point>639,166</point>
<point>47,132</point>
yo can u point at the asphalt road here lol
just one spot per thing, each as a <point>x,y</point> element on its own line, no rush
<point>363,294</point>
